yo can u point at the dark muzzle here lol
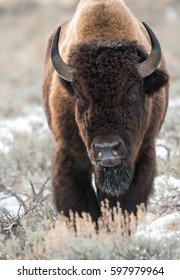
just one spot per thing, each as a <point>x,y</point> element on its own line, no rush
<point>108,150</point>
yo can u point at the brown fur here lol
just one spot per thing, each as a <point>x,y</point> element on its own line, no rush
<point>107,22</point>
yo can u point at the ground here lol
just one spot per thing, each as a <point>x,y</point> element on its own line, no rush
<point>27,214</point>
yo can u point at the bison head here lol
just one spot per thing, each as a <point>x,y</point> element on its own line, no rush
<point>112,83</point>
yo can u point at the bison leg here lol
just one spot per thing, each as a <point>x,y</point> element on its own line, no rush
<point>142,183</point>
<point>72,185</point>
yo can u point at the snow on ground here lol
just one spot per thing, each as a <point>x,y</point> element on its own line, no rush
<point>157,225</point>
<point>11,204</point>
<point>174,102</point>
<point>33,118</point>
<point>162,149</point>
<point>160,227</point>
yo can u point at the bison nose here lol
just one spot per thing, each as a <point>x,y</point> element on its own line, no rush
<point>108,150</point>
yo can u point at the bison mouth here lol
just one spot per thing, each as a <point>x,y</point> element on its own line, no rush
<point>114,181</point>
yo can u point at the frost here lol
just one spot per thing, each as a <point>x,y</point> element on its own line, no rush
<point>33,119</point>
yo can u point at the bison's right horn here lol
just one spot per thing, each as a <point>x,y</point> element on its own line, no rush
<point>148,66</point>
<point>65,71</point>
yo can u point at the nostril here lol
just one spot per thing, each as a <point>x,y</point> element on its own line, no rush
<point>100,154</point>
<point>114,151</point>
<point>97,148</point>
<point>115,145</point>
<point>116,148</point>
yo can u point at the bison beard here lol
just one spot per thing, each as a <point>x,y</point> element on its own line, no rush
<point>114,181</point>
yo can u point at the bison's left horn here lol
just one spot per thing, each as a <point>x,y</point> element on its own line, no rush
<point>148,66</point>
<point>64,70</point>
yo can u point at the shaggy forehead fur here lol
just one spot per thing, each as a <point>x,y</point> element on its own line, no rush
<point>106,67</point>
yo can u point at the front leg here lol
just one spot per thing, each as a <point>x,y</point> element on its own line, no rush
<point>72,184</point>
<point>142,184</point>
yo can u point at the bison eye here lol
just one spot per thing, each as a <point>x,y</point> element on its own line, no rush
<point>134,95</point>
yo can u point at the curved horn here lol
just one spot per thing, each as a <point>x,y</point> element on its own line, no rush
<point>148,66</point>
<point>65,71</point>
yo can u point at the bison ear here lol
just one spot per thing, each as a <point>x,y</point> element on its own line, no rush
<point>155,81</point>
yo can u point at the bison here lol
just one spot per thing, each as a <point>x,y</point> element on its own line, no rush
<point>105,93</point>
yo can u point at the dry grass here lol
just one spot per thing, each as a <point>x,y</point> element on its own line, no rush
<point>39,235</point>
